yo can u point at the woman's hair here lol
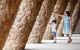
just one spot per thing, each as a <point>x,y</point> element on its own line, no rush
<point>68,13</point>
<point>54,21</point>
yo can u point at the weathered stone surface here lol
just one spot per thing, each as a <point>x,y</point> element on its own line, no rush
<point>3,8</point>
<point>76,16</point>
<point>22,25</point>
<point>41,21</point>
<point>8,9</point>
<point>77,29</point>
<point>58,9</point>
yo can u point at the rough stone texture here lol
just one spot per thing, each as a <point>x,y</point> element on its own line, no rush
<point>76,16</point>
<point>3,13</point>
<point>70,8</point>
<point>77,29</point>
<point>8,9</point>
<point>22,25</point>
<point>59,9</point>
<point>41,21</point>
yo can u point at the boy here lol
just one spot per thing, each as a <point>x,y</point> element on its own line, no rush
<point>53,28</point>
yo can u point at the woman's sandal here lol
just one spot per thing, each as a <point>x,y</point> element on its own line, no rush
<point>54,42</point>
<point>70,41</point>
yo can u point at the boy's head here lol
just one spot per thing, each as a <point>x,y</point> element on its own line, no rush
<point>54,21</point>
<point>67,13</point>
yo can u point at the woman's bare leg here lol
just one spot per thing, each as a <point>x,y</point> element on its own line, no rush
<point>69,39</point>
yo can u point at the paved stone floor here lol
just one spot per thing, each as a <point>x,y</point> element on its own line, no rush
<point>60,45</point>
<point>57,46</point>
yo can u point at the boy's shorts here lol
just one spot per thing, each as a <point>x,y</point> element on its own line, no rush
<point>54,34</point>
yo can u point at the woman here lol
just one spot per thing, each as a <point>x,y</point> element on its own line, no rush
<point>67,25</point>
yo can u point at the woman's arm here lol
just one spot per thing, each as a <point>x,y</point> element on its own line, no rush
<point>59,15</point>
<point>62,24</point>
<point>71,24</point>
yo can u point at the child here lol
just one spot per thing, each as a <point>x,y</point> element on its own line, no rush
<point>53,27</point>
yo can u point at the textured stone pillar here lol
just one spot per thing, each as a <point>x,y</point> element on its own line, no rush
<point>77,29</point>
<point>58,9</point>
<point>76,16</point>
<point>22,25</point>
<point>3,12</point>
<point>8,9</point>
<point>41,21</point>
<point>70,8</point>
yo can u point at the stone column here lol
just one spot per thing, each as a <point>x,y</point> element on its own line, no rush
<point>22,25</point>
<point>41,21</point>
<point>76,16</point>
<point>8,11</point>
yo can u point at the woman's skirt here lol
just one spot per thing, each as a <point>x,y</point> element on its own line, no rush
<point>66,28</point>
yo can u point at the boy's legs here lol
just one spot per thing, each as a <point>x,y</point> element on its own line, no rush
<point>54,39</point>
<point>54,34</point>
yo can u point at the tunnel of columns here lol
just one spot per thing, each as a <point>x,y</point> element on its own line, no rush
<point>27,21</point>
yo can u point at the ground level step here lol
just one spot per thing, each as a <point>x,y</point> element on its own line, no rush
<point>56,46</point>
